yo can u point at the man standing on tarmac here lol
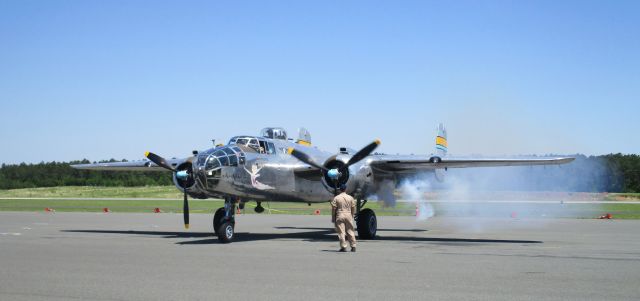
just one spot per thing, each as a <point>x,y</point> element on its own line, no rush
<point>343,209</point>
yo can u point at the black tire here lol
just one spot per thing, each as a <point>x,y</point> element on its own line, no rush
<point>226,232</point>
<point>367,224</point>
<point>218,219</point>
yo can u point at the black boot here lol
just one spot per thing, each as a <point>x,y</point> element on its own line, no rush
<point>353,249</point>
<point>342,250</point>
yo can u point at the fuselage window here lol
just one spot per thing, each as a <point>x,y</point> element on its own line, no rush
<point>271,148</point>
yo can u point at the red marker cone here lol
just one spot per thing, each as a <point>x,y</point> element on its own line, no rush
<point>106,210</point>
<point>157,210</point>
<point>48,210</point>
<point>317,212</point>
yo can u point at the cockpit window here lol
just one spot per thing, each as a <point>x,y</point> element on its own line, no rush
<point>271,148</point>
<point>233,160</point>
<point>274,133</point>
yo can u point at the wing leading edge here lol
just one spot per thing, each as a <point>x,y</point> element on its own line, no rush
<point>420,163</point>
<point>128,166</point>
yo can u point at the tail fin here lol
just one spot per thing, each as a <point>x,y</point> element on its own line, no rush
<point>304,137</point>
<point>441,141</point>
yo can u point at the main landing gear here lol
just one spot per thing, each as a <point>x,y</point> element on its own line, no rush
<point>224,221</point>
<point>366,221</point>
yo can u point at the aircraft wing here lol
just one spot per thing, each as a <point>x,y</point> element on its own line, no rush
<point>143,165</point>
<point>413,164</point>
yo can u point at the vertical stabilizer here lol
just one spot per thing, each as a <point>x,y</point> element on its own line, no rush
<point>304,137</point>
<point>441,141</point>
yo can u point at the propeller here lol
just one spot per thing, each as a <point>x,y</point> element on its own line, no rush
<point>182,174</point>
<point>305,158</point>
<point>335,173</point>
<point>363,153</point>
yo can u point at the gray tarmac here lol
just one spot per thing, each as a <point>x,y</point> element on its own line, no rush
<point>128,256</point>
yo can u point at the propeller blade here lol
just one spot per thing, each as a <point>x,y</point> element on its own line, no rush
<point>304,158</point>
<point>364,152</point>
<point>159,161</point>
<point>185,210</point>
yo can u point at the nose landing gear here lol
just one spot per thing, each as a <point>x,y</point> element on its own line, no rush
<point>224,221</point>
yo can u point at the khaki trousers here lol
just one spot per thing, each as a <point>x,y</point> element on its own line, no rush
<point>344,227</point>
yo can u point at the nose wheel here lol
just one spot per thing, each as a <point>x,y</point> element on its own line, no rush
<point>224,222</point>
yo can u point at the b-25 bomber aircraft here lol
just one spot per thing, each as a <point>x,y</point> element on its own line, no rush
<point>272,167</point>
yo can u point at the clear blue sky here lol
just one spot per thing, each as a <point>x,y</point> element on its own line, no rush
<point>112,79</point>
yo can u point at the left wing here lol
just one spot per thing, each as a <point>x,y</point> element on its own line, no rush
<point>414,164</point>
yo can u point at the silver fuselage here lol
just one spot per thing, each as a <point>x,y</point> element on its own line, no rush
<point>269,176</point>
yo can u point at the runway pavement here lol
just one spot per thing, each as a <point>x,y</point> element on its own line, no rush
<point>89,256</point>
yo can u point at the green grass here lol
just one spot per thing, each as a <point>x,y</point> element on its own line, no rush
<point>159,192</point>
<point>168,199</point>
<point>623,197</point>
<point>622,211</point>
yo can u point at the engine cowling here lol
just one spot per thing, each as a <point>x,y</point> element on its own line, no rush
<point>335,163</point>
<point>439,172</point>
<point>189,183</point>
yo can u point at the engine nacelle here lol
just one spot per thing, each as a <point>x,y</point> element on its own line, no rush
<point>439,172</point>
<point>335,163</point>
<point>189,183</point>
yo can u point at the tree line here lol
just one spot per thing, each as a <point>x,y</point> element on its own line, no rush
<point>50,174</point>
<point>607,173</point>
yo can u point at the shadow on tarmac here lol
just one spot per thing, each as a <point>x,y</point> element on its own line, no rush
<point>317,234</point>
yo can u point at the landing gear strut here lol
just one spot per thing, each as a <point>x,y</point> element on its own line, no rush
<point>366,221</point>
<point>224,221</point>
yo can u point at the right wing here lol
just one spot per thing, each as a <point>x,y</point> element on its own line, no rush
<point>144,165</point>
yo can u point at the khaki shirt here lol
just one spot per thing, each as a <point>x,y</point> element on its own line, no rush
<point>344,204</point>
